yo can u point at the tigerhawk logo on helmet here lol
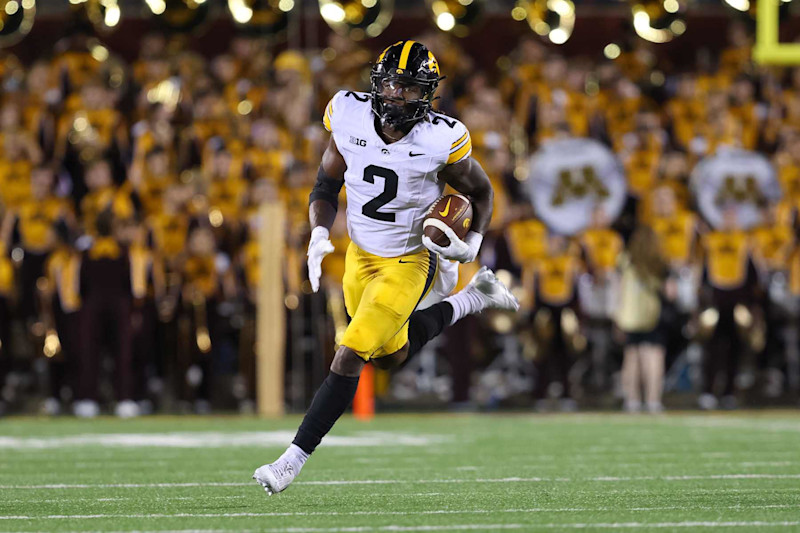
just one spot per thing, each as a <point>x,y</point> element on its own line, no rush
<point>409,62</point>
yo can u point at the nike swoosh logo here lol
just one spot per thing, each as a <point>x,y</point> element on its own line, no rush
<point>412,154</point>
<point>446,208</point>
<point>405,262</point>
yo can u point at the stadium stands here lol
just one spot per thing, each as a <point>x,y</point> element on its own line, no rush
<point>129,196</point>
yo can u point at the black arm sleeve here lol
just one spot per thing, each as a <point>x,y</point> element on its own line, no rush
<point>326,189</point>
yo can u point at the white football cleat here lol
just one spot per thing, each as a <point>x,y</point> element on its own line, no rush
<point>494,294</point>
<point>275,477</point>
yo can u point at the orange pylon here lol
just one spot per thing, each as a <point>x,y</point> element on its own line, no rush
<point>364,401</point>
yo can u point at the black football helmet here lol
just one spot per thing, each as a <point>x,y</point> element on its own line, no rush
<point>409,62</point>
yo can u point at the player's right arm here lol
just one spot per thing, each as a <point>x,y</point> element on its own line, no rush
<point>324,198</point>
<point>323,204</point>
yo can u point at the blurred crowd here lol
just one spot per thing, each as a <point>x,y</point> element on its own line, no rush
<point>130,194</point>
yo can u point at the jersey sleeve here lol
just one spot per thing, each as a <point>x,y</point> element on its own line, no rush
<point>461,146</point>
<point>330,109</point>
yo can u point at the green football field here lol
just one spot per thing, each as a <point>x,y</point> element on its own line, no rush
<point>489,472</point>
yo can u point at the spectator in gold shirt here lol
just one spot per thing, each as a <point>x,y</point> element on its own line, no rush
<point>61,296</point>
<point>729,296</point>
<point>106,298</point>
<point>555,320</point>
<point>32,226</point>
<point>207,280</point>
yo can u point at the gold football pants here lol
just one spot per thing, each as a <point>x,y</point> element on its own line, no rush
<point>380,293</point>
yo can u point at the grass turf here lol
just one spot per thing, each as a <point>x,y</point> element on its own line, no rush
<point>593,472</point>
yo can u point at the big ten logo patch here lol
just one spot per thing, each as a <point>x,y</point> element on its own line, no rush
<point>357,141</point>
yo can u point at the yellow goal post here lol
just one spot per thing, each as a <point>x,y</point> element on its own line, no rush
<point>768,49</point>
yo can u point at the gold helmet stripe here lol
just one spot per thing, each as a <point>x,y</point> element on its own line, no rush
<point>404,54</point>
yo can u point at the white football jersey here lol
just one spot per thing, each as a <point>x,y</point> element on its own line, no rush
<point>390,187</point>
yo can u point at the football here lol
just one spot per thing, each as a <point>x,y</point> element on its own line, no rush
<point>453,210</point>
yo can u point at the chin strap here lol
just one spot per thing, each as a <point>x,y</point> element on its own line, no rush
<point>404,126</point>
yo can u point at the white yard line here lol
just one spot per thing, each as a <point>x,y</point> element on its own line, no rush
<point>495,527</point>
<point>551,479</point>
<point>212,439</point>
<point>161,531</point>
<point>774,426</point>
<point>407,482</point>
<point>487,527</point>
<point>124,485</point>
<point>691,478</point>
<point>529,527</point>
<point>662,525</point>
<point>404,513</point>
<point>538,464</point>
<point>62,499</point>
<point>766,463</point>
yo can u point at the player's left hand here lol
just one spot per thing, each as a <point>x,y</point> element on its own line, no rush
<point>462,251</point>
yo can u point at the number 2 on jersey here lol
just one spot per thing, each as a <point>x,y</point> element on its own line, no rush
<point>389,193</point>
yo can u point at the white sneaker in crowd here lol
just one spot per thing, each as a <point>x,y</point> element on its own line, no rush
<point>51,407</point>
<point>707,401</point>
<point>632,406</point>
<point>127,409</point>
<point>86,409</point>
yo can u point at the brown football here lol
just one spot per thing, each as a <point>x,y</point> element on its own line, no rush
<point>453,210</point>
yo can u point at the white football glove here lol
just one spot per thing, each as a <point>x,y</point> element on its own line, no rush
<point>318,247</point>
<point>462,251</point>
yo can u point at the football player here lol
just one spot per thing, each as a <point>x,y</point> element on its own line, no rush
<point>395,155</point>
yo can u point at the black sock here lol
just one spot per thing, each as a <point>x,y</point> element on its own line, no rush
<point>426,324</point>
<point>329,403</point>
